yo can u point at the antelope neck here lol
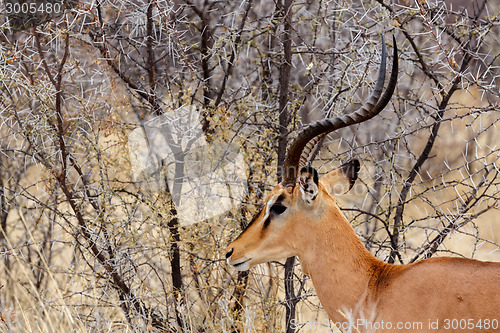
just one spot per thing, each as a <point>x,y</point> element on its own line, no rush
<point>339,265</point>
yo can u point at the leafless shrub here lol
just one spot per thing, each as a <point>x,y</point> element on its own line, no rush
<point>79,234</point>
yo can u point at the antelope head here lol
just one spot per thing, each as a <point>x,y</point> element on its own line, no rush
<point>302,202</point>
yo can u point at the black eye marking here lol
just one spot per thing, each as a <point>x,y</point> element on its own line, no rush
<point>278,209</point>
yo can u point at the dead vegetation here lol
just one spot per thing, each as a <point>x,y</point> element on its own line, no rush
<point>84,247</point>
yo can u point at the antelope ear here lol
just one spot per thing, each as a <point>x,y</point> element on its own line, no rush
<point>341,180</point>
<point>308,180</point>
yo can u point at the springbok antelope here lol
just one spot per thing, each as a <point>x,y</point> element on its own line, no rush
<point>301,218</point>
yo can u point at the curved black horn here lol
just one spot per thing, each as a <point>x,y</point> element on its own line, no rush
<point>324,126</point>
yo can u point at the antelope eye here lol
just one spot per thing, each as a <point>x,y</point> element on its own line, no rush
<point>278,209</point>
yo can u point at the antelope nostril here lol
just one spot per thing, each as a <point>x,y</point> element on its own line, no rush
<point>228,254</point>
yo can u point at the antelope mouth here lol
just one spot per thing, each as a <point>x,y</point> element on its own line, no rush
<point>240,265</point>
